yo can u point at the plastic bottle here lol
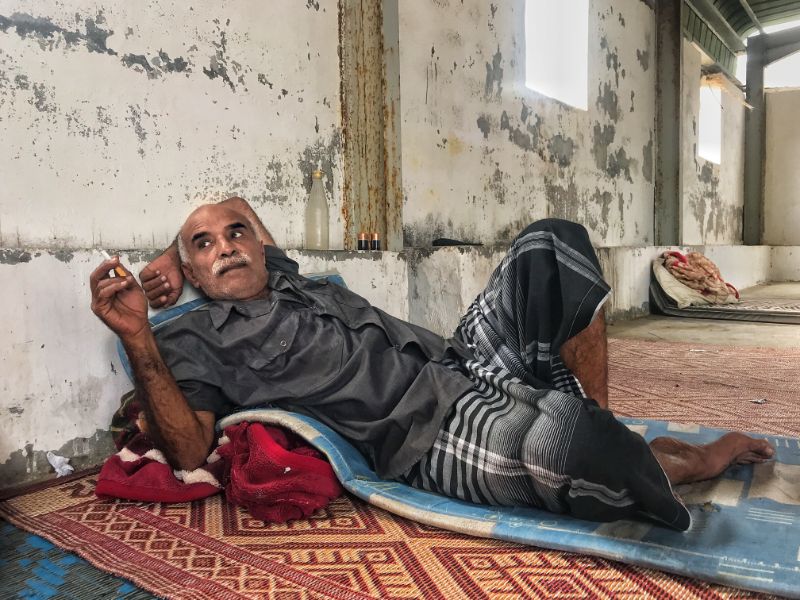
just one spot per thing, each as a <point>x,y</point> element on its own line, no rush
<point>317,215</point>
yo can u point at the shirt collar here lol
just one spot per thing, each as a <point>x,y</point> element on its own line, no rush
<point>220,310</point>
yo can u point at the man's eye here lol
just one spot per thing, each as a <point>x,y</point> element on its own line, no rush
<point>203,244</point>
<point>236,234</point>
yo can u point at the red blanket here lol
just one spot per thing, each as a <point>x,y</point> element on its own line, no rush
<point>273,473</point>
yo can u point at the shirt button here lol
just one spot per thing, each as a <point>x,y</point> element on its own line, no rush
<point>397,347</point>
<point>283,343</point>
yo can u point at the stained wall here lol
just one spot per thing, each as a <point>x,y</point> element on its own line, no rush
<point>782,176</point>
<point>482,155</point>
<point>115,120</point>
<point>118,117</point>
<point>712,194</point>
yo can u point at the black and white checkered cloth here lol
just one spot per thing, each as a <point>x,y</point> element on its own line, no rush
<point>526,435</point>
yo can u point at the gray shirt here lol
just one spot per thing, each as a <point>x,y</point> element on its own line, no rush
<point>319,349</point>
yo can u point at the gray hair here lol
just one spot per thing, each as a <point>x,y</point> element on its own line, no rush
<point>182,253</point>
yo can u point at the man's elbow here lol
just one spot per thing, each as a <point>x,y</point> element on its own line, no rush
<point>189,456</point>
<point>188,461</point>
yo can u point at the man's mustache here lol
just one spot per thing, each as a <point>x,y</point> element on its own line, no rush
<point>223,264</point>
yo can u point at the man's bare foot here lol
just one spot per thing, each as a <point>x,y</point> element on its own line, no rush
<point>686,463</point>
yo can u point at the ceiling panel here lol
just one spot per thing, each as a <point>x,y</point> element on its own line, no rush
<point>768,12</point>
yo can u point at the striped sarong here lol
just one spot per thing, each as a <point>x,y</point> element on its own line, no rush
<point>526,435</point>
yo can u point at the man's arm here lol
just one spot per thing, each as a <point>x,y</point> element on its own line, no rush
<point>162,279</point>
<point>242,206</point>
<point>183,435</point>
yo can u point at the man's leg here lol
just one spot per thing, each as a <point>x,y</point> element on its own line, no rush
<point>686,463</point>
<point>586,355</point>
<point>546,293</point>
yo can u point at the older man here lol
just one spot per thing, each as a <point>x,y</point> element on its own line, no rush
<point>500,413</point>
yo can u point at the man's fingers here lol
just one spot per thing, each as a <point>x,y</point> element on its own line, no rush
<point>110,287</point>
<point>164,299</point>
<point>101,272</point>
<point>148,273</point>
<point>152,285</point>
<point>156,293</point>
<point>159,302</point>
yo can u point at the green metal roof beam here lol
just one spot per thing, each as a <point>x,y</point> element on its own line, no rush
<point>752,15</point>
<point>717,23</point>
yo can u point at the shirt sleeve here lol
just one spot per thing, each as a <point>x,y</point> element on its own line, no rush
<point>277,260</point>
<point>201,396</point>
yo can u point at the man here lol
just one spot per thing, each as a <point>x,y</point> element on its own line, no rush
<point>500,413</point>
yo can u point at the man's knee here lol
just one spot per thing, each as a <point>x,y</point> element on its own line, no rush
<point>561,228</point>
<point>571,234</point>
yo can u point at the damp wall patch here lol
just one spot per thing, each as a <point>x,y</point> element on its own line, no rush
<point>482,155</point>
<point>117,121</point>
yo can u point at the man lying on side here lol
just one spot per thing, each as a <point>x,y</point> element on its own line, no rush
<point>510,410</point>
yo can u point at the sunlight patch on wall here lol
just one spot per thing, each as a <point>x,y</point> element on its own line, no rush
<point>557,50</point>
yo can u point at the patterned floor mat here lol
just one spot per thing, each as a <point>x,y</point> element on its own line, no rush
<point>352,550</point>
<point>209,549</point>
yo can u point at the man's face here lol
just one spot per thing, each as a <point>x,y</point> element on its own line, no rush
<point>226,259</point>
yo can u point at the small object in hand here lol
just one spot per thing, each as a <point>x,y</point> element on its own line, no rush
<point>759,400</point>
<point>116,270</point>
<point>363,243</point>
<point>376,242</point>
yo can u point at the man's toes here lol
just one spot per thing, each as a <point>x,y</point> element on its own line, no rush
<point>763,448</point>
<point>757,451</point>
<point>748,458</point>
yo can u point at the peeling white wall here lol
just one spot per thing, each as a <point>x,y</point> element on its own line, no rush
<point>712,195</point>
<point>61,377</point>
<point>782,175</point>
<point>482,156</point>
<point>443,282</point>
<point>380,277</point>
<point>116,118</point>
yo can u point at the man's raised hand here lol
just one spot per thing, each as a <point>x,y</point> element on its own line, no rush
<point>118,301</point>
<point>162,279</point>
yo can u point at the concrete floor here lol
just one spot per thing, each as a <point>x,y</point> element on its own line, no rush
<point>709,331</point>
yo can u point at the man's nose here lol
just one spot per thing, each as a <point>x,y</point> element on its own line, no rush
<point>226,247</point>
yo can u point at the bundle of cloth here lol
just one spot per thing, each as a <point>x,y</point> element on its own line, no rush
<point>271,472</point>
<point>692,280</point>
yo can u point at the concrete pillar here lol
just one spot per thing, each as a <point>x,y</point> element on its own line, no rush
<point>754,143</point>
<point>669,44</point>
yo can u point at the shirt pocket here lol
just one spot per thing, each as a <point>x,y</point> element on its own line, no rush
<point>302,355</point>
<point>275,343</point>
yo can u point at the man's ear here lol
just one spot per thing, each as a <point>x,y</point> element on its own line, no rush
<point>188,272</point>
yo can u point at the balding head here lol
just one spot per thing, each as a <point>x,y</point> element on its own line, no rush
<point>221,254</point>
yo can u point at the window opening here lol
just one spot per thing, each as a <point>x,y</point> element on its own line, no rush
<point>709,143</point>
<point>557,50</point>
